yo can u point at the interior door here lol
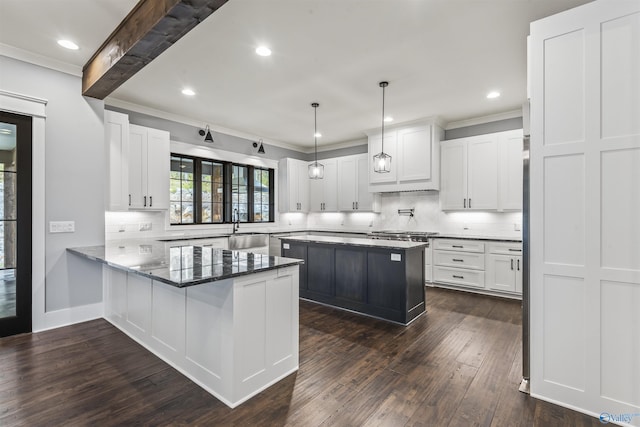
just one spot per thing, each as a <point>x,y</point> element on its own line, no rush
<point>15,224</point>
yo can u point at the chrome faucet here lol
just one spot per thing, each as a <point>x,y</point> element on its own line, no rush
<point>236,223</point>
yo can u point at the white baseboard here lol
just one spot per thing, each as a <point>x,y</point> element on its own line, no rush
<point>68,316</point>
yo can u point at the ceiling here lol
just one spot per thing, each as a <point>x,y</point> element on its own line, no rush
<point>441,58</point>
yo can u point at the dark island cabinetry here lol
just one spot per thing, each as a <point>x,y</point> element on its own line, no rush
<point>379,281</point>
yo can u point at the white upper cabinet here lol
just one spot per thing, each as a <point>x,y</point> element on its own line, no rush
<point>293,187</point>
<point>510,170</point>
<point>482,172</point>
<point>415,158</point>
<point>149,164</point>
<point>353,182</point>
<point>116,137</point>
<point>323,193</point>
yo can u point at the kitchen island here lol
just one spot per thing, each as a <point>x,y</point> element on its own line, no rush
<point>378,278</point>
<point>228,320</point>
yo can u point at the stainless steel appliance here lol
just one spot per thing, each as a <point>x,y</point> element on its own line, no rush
<point>524,385</point>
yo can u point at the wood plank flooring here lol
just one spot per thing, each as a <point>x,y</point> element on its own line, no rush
<point>459,365</point>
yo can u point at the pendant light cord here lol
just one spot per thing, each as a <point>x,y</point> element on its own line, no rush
<point>383,85</point>
<point>315,131</point>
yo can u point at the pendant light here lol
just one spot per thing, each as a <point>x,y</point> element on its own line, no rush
<point>316,170</point>
<point>382,161</point>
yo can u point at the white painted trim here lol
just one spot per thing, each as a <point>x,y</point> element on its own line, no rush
<point>69,316</point>
<point>22,104</point>
<point>484,119</point>
<point>114,102</point>
<point>339,145</point>
<point>41,60</point>
<point>217,154</point>
<point>435,120</point>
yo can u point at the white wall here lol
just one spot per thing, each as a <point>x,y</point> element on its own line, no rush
<point>74,171</point>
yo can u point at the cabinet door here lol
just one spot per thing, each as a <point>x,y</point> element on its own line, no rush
<point>303,186</point>
<point>116,135</point>
<point>137,166</point>
<point>375,146</point>
<point>330,186</point>
<point>293,185</point>
<point>347,182</point>
<point>365,199</point>
<point>453,173</point>
<point>414,154</point>
<point>501,273</point>
<point>316,193</point>
<point>510,171</point>
<point>158,165</point>
<point>482,173</point>
<point>518,261</point>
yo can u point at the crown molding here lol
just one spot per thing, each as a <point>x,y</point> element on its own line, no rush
<point>41,60</point>
<point>484,119</point>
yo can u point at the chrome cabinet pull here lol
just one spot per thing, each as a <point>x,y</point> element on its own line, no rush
<point>145,201</point>
<point>458,277</point>
<point>465,203</point>
<point>512,263</point>
<point>518,263</point>
<point>457,260</point>
<point>469,202</point>
<point>150,201</point>
<point>129,199</point>
<point>515,250</point>
<point>457,246</point>
<point>357,207</point>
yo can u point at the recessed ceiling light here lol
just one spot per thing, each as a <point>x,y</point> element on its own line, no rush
<point>188,92</point>
<point>68,44</point>
<point>263,51</point>
<point>317,135</point>
<point>493,95</point>
<point>388,119</point>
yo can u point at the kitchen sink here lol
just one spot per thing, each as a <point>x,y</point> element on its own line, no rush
<point>248,240</point>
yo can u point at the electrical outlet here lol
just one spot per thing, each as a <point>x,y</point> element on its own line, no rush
<point>144,226</point>
<point>517,227</point>
<point>466,227</point>
<point>122,228</point>
<point>62,226</point>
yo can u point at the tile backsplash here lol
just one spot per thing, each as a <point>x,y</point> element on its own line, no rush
<point>427,217</point>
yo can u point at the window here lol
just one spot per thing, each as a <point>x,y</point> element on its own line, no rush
<point>206,191</point>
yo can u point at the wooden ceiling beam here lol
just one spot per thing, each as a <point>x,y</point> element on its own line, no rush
<point>148,30</point>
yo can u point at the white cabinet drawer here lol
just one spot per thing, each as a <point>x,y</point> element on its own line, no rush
<point>505,248</point>
<point>458,245</point>
<point>457,276</point>
<point>471,260</point>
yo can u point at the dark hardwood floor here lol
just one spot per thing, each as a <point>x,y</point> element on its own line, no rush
<point>459,365</point>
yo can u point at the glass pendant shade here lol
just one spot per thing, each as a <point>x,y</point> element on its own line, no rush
<point>316,170</point>
<point>382,162</point>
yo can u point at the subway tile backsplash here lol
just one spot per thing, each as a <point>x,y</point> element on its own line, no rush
<point>427,217</point>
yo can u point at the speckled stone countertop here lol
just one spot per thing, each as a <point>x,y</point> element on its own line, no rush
<point>180,265</point>
<point>357,241</point>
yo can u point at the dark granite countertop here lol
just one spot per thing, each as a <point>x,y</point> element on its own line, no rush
<point>357,241</point>
<point>180,265</point>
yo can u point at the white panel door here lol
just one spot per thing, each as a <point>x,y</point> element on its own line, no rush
<point>365,200</point>
<point>585,205</point>
<point>303,186</point>
<point>375,147</point>
<point>414,153</point>
<point>510,170</point>
<point>137,166</point>
<point>482,173</point>
<point>347,182</point>
<point>316,193</point>
<point>158,165</point>
<point>329,186</point>
<point>453,174</point>
<point>116,135</point>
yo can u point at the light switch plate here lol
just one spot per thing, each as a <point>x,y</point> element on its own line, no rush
<point>62,226</point>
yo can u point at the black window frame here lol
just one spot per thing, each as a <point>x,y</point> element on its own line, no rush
<point>227,212</point>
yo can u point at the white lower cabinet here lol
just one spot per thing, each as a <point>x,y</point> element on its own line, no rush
<point>233,337</point>
<point>489,267</point>
<point>504,267</point>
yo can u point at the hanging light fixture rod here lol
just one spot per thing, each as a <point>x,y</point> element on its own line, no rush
<point>382,161</point>
<point>316,170</point>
